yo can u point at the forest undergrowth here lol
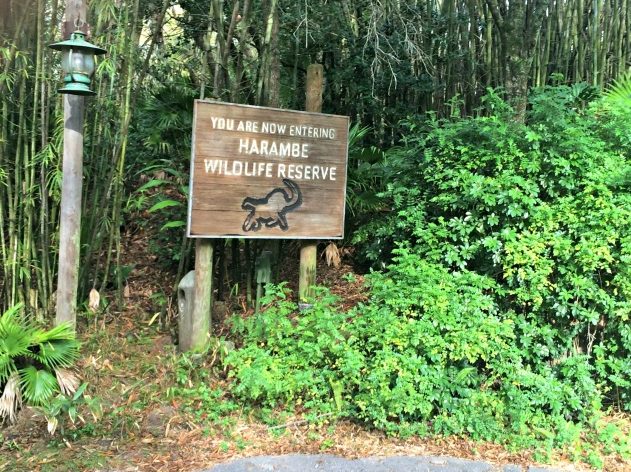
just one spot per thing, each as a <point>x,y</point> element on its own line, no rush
<point>161,411</point>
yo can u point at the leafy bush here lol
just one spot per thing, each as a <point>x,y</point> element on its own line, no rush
<point>503,309</point>
<point>541,208</point>
<point>35,364</point>
<point>438,357</point>
<point>289,358</point>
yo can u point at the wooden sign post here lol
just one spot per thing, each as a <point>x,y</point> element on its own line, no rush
<point>309,249</point>
<point>265,173</point>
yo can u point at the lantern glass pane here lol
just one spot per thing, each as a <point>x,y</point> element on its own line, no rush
<point>89,63</point>
<point>78,62</point>
<point>66,63</point>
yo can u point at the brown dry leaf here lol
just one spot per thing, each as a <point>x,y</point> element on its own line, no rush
<point>68,381</point>
<point>332,255</point>
<point>94,300</point>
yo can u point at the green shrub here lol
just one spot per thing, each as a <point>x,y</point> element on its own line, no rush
<point>35,364</point>
<point>503,308</point>
<point>436,357</point>
<point>288,358</point>
<point>541,208</point>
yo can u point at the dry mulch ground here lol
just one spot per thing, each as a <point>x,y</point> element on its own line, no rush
<point>130,363</point>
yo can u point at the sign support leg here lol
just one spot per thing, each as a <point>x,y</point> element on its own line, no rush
<point>308,259</point>
<point>197,337</point>
<point>309,250</point>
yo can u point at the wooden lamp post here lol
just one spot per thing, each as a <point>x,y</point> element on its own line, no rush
<point>78,65</point>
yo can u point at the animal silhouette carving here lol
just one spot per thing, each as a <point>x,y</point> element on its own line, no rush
<point>271,211</point>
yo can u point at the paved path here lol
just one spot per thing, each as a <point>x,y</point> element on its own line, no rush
<point>327,463</point>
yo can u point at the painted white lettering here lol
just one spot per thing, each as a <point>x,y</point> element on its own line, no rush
<point>212,165</point>
<point>237,167</point>
<point>254,148</point>
<point>281,170</point>
<point>285,149</point>
<point>225,168</point>
<point>269,167</point>
<point>243,145</point>
<point>333,170</point>
<point>222,123</point>
<point>263,147</point>
<point>249,172</point>
<point>295,149</point>
<point>312,132</point>
<point>273,149</point>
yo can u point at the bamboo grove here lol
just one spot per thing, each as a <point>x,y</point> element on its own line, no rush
<point>383,59</point>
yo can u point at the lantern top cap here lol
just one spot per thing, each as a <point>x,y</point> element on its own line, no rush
<point>77,40</point>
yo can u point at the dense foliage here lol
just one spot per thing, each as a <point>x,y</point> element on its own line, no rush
<point>504,306</point>
<point>541,209</point>
<point>383,60</point>
<point>503,235</point>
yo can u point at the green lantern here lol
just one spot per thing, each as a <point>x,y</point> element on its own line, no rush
<point>77,63</point>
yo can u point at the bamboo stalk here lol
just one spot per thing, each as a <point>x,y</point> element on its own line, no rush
<point>263,78</point>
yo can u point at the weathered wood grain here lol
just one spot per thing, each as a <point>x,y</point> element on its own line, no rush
<point>247,157</point>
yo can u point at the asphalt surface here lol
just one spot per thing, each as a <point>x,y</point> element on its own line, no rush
<point>328,463</point>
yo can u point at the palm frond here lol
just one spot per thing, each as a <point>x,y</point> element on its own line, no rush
<point>620,91</point>
<point>7,368</point>
<point>58,353</point>
<point>68,381</point>
<point>63,331</point>
<point>38,386</point>
<point>11,399</point>
<point>356,133</point>
<point>15,336</point>
<point>10,314</point>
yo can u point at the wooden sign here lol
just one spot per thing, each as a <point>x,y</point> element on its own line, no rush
<point>266,173</point>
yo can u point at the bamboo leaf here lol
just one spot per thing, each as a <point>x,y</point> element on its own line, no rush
<point>164,204</point>
<point>173,224</point>
<point>151,184</point>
